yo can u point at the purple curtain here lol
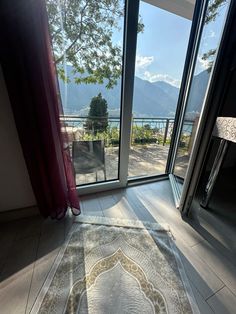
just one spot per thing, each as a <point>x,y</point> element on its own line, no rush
<point>29,70</point>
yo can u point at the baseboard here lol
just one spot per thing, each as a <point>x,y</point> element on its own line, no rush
<point>18,213</point>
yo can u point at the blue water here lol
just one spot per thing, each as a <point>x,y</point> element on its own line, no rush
<point>159,124</point>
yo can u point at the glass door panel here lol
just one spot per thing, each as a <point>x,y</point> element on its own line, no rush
<point>160,55</point>
<point>209,42</point>
<point>87,42</point>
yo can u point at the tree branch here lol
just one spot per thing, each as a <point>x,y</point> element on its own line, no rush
<point>58,60</point>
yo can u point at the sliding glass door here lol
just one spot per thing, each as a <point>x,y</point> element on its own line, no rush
<point>119,116</point>
<point>160,55</point>
<point>208,40</point>
<point>120,66</point>
<point>87,41</point>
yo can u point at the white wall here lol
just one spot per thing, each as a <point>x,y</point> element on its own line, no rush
<point>15,187</point>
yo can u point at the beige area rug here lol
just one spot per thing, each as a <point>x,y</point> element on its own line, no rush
<point>116,266</point>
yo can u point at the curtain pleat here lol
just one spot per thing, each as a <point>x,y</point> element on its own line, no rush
<point>30,75</point>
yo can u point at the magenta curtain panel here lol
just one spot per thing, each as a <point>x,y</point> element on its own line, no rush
<point>28,67</point>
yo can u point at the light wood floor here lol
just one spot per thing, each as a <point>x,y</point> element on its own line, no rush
<point>29,247</point>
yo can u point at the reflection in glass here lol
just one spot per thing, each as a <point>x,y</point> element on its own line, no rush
<point>209,42</point>
<point>158,74</point>
<point>87,41</point>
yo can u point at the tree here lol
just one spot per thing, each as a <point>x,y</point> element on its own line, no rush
<point>97,120</point>
<point>213,9</point>
<point>209,57</point>
<point>81,33</point>
<point>212,12</point>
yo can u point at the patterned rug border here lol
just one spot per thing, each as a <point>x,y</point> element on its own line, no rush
<point>119,222</point>
<point>185,280</point>
<point>160,227</point>
<point>39,299</point>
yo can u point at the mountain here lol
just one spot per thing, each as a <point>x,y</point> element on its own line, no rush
<point>171,90</point>
<point>157,99</point>
<point>197,92</point>
<point>151,100</point>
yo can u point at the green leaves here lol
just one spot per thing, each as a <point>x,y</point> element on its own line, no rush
<point>81,32</point>
<point>82,36</point>
<point>214,10</point>
<point>98,115</point>
<point>209,57</point>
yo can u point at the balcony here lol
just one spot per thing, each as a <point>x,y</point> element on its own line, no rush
<point>150,141</point>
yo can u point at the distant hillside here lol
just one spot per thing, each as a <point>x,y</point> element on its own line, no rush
<point>171,90</point>
<point>157,99</point>
<point>150,99</point>
<point>197,93</point>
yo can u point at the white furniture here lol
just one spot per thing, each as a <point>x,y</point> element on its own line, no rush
<point>225,129</point>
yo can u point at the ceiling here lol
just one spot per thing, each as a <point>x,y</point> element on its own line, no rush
<point>182,8</point>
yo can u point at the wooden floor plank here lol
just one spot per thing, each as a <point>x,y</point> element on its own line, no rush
<point>212,277</point>
<point>50,242</point>
<point>16,276</point>
<point>90,206</point>
<point>116,206</point>
<point>7,237</point>
<point>201,275</point>
<point>124,206</point>
<point>109,207</point>
<point>223,302</point>
<point>203,306</point>
<point>138,208</point>
<point>218,263</point>
<point>163,210</point>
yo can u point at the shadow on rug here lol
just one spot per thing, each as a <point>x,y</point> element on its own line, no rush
<point>116,266</point>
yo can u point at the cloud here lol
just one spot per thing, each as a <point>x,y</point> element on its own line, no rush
<point>153,77</point>
<point>212,34</point>
<point>141,70</point>
<point>203,64</point>
<point>142,62</point>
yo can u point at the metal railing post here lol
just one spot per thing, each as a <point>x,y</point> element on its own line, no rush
<point>166,131</point>
<point>131,132</point>
<point>164,125</point>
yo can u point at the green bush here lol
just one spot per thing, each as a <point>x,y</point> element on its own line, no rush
<point>140,135</point>
<point>111,136</point>
<point>143,134</point>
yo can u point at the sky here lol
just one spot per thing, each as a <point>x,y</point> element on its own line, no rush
<point>162,47</point>
<point>211,37</point>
